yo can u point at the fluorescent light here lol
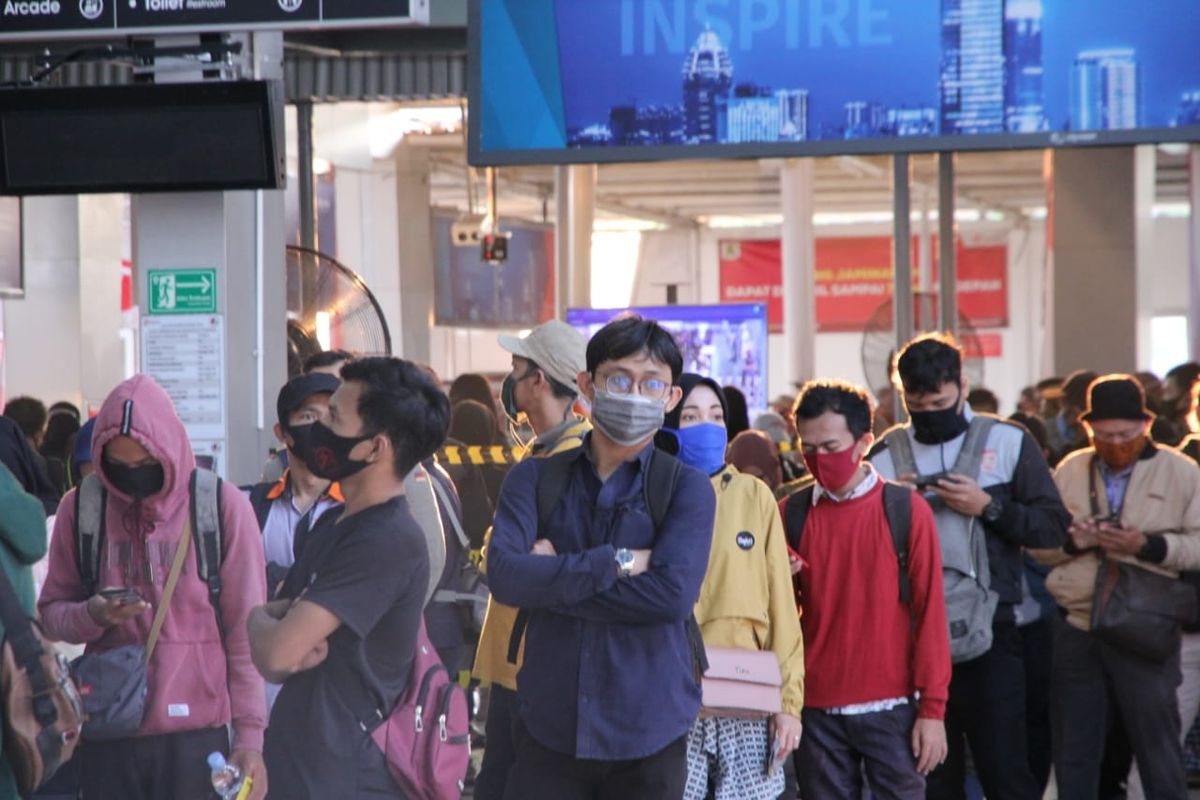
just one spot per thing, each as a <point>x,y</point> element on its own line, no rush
<point>385,131</point>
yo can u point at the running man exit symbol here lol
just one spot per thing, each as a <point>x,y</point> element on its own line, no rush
<point>183,291</point>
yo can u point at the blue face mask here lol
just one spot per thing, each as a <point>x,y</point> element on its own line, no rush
<point>703,446</point>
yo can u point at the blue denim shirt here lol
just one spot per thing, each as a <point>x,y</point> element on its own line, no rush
<point>608,671</point>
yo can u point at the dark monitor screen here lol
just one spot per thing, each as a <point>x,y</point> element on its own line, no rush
<point>166,137</point>
<point>562,81</point>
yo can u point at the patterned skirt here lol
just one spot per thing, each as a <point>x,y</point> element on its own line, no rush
<point>727,760</point>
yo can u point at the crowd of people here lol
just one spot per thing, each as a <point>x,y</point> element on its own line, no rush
<point>661,598</point>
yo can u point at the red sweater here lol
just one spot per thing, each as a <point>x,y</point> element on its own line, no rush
<point>860,643</point>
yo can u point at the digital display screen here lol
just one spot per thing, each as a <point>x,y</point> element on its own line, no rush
<point>727,343</point>
<point>562,81</point>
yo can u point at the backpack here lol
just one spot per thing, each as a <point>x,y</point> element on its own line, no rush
<point>659,479</point>
<point>897,506</point>
<point>966,575</point>
<point>208,529</point>
<point>425,738</point>
<point>468,590</point>
<point>43,712</point>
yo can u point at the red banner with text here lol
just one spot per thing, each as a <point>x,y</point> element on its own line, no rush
<point>854,278</point>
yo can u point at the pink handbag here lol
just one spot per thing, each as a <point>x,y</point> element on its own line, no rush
<point>741,683</point>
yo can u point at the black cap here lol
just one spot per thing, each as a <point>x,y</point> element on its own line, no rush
<point>300,388</point>
<point>1116,397</point>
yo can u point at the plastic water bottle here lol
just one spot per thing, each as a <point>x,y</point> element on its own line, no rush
<point>226,777</point>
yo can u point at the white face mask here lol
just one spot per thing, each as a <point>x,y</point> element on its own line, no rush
<point>627,419</point>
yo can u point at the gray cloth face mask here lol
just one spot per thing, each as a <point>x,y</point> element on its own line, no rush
<point>627,419</point>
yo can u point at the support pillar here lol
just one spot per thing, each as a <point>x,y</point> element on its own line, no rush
<point>799,269</point>
<point>1194,257</point>
<point>902,287</point>
<point>414,223</point>
<point>575,193</point>
<point>1099,198</point>
<point>241,236</point>
<point>947,246</point>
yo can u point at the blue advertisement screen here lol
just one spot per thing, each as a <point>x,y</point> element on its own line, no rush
<point>470,292</point>
<point>608,80</point>
<point>727,343</point>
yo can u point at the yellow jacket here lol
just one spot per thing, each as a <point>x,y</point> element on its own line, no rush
<point>491,656</point>
<point>746,600</point>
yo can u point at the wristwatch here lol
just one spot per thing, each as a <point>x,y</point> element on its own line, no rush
<point>993,510</point>
<point>625,562</point>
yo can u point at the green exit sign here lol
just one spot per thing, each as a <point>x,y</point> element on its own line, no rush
<point>183,291</point>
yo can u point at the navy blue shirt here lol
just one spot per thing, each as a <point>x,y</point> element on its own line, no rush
<point>608,671</point>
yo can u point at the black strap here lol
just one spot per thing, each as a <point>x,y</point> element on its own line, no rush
<point>897,507</point>
<point>261,503</point>
<point>27,650</point>
<point>209,548</point>
<point>88,546</point>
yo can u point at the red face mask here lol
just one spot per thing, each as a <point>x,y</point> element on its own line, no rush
<point>833,470</point>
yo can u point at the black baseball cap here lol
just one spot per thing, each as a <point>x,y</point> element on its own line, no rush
<point>300,388</point>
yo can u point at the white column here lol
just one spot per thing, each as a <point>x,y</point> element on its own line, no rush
<point>799,267</point>
<point>575,213</point>
<point>414,223</point>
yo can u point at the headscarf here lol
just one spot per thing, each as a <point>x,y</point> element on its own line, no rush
<point>755,449</point>
<point>473,424</point>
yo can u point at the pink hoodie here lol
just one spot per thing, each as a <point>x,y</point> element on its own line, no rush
<point>192,683</point>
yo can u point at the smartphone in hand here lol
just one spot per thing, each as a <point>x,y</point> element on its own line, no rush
<point>122,594</point>
<point>776,754</point>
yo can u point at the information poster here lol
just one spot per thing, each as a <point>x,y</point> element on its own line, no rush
<point>186,355</point>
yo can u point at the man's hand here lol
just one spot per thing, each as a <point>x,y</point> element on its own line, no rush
<point>929,744</point>
<point>641,561</point>
<point>1120,541</point>
<point>785,731</point>
<point>796,563</point>
<point>107,612</point>
<point>252,766</point>
<point>908,479</point>
<point>315,656</point>
<point>543,547</point>
<point>1084,534</point>
<point>277,609</point>
<point>962,494</point>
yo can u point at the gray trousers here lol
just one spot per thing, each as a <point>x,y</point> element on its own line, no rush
<point>1093,686</point>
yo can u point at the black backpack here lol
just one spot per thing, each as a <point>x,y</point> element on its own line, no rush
<point>659,480</point>
<point>897,505</point>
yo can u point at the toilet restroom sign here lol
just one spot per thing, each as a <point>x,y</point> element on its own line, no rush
<point>183,291</point>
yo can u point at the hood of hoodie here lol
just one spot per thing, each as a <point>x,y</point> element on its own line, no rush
<point>141,409</point>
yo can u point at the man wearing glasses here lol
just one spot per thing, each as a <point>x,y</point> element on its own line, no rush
<point>608,690</point>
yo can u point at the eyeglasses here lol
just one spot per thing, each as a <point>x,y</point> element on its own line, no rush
<point>654,388</point>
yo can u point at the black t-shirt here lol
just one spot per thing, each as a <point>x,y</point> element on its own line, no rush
<point>371,571</point>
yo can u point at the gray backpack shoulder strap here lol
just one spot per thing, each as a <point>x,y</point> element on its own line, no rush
<point>422,503</point>
<point>208,532</point>
<point>900,448</point>
<point>451,507</point>
<point>970,459</point>
<point>91,501</point>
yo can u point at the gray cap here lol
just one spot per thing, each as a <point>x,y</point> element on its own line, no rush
<point>556,347</point>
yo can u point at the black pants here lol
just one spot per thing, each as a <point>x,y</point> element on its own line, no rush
<point>171,765</point>
<point>500,751</point>
<point>835,751</point>
<point>1037,640</point>
<point>987,711</point>
<point>543,774</point>
<point>1094,685</point>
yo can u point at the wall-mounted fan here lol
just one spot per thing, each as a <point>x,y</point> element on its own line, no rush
<point>329,307</point>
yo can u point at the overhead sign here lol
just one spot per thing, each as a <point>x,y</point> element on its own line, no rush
<point>567,81</point>
<point>183,291</point>
<point>60,19</point>
<point>854,278</point>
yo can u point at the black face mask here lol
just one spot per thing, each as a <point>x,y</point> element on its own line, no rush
<point>329,454</point>
<point>301,446</point>
<point>935,427</point>
<point>138,482</point>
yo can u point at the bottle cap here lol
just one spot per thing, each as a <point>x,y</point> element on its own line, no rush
<point>216,761</point>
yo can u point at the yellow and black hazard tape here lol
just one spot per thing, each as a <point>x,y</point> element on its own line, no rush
<point>506,456</point>
<point>455,455</point>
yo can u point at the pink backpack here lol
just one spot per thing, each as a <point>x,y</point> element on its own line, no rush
<point>425,739</point>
